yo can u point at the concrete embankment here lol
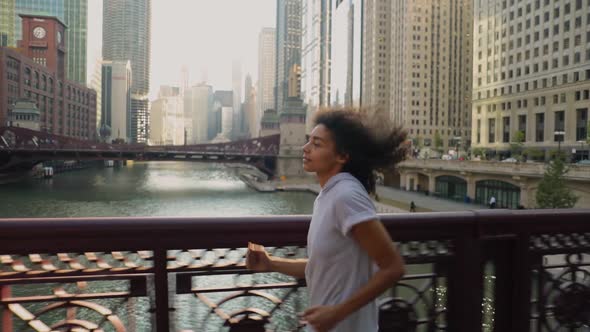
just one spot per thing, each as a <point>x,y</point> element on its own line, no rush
<point>308,186</point>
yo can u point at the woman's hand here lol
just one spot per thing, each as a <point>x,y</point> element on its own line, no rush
<point>257,259</point>
<point>322,318</point>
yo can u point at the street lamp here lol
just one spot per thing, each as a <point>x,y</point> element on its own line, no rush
<point>560,134</point>
<point>457,140</point>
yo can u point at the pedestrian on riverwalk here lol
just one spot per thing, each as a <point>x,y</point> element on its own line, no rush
<point>412,207</point>
<point>492,202</point>
<point>351,257</point>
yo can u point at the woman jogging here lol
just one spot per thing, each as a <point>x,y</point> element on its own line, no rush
<point>352,259</point>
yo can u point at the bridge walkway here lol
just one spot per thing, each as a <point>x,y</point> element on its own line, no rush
<point>423,201</point>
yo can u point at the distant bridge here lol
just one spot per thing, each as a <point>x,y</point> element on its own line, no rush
<point>21,149</point>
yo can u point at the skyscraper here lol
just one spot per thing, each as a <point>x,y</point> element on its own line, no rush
<point>315,54</point>
<point>76,17</point>
<point>198,105</point>
<point>167,118</point>
<point>288,50</point>
<point>96,84</point>
<point>430,71</point>
<point>116,100</point>
<point>376,52</point>
<point>531,75</point>
<point>74,13</point>
<point>346,48</point>
<point>249,118</point>
<point>7,28</point>
<point>127,36</point>
<point>266,73</point>
<point>237,97</point>
<point>184,78</point>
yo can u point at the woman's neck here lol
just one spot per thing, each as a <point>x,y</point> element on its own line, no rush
<point>323,178</point>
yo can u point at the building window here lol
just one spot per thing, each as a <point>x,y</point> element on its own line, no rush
<point>540,127</point>
<point>559,125</point>
<point>491,130</point>
<point>478,130</point>
<point>506,129</point>
<point>522,124</point>
<point>581,124</point>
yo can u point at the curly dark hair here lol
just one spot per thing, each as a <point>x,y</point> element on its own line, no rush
<point>368,138</point>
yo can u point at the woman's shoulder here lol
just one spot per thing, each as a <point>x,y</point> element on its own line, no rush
<point>349,183</point>
<point>348,190</point>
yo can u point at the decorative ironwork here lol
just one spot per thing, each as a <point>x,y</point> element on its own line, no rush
<point>396,314</point>
<point>563,299</point>
<point>70,305</point>
<point>442,290</point>
<point>546,242</point>
<point>572,306</point>
<point>66,264</point>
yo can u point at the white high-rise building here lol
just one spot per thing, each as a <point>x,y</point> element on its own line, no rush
<point>531,74</point>
<point>346,50</point>
<point>376,53</point>
<point>266,74</point>
<point>315,55</point>
<point>249,116</point>
<point>167,117</point>
<point>430,71</point>
<point>237,96</point>
<point>116,100</point>
<point>198,105</point>
<point>184,78</point>
<point>127,36</point>
<point>96,84</point>
<point>227,114</point>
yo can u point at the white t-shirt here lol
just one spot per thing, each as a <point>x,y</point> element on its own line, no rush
<point>337,265</point>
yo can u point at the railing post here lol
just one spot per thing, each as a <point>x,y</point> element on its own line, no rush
<point>512,285</point>
<point>6,314</point>
<point>161,285</point>
<point>521,291</point>
<point>466,285</point>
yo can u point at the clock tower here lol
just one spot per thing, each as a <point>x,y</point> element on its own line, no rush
<point>44,42</point>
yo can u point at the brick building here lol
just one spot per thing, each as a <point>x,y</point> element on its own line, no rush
<point>36,72</point>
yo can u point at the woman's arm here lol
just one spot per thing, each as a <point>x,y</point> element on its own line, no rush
<point>293,267</point>
<point>373,239</point>
<point>258,259</point>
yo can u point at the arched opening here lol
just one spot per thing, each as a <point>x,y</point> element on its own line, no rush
<point>451,187</point>
<point>507,195</point>
<point>422,185</point>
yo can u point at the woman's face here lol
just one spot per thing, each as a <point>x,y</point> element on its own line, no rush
<point>319,153</point>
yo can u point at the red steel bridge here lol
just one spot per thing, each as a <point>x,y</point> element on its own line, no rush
<point>21,149</point>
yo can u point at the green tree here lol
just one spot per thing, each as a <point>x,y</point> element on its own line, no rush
<point>516,147</point>
<point>418,142</point>
<point>534,153</point>
<point>478,152</point>
<point>552,192</point>
<point>438,142</point>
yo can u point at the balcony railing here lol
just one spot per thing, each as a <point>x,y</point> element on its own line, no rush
<point>492,270</point>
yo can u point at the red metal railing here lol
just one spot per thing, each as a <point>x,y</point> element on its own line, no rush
<point>538,278</point>
<point>15,138</point>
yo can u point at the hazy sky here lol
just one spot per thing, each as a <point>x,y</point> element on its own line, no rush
<point>206,35</point>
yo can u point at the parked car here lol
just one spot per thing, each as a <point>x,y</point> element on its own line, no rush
<point>583,162</point>
<point>510,160</point>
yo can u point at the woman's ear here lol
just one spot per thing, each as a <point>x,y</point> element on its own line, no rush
<point>342,158</point>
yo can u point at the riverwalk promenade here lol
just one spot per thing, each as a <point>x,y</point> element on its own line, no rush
<point>388,200</point>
